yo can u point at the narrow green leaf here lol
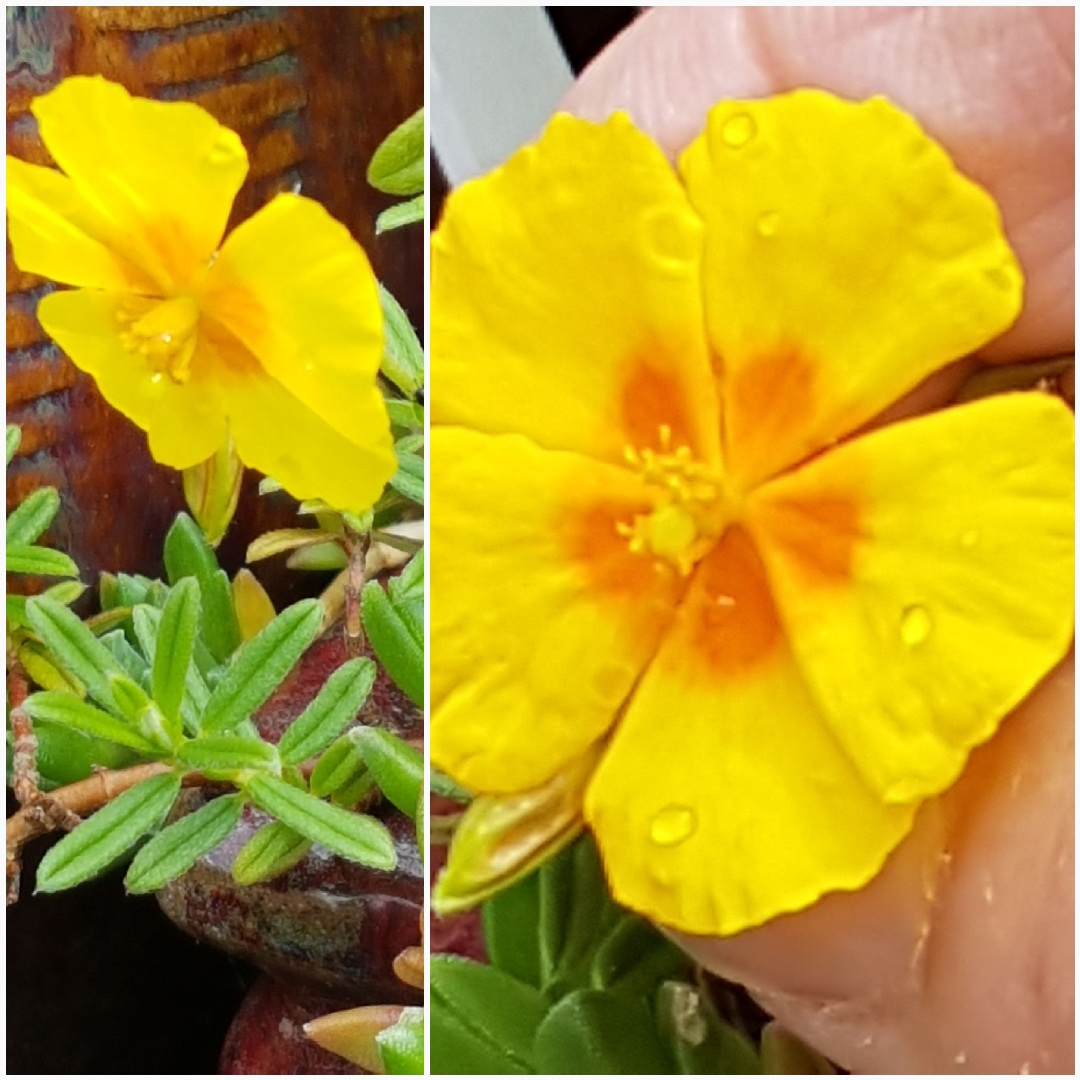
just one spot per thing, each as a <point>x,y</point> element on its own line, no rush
<point>261,665</point>
<point>176,849</point>
<point>591,1031</point>
<point>407,415</point>
<point>113,830</point>
<point>267,485</point>
<point>44,669</point>
<point>65,756</point>
<point>510,922</point>
<point>74,646</point>
<point>187,554</point>
<point>403,355</point>
<point>129,659</point>
<point>175,646</point>
<point>398,768</point>
<point>405,213</point>
<point>32,516</point>
<point>326,717</point>
<point>409,479</point>
<point>482,1020</point>
<point>354,836</point>
<point>57,707</point>
<point>441,784</point>
<point>397,166</point>
<point>137,708</point>
<point>401,1045</point>
<point>395,645</point>
<point>65,592</point>
<point>16,612</point>
<point>348,795</point>
<point>340,763</point>
<point>221,756</point>
<point>130,590</point>
<point>29,559</point>
<point>274,849</point>
<point>14,437</point>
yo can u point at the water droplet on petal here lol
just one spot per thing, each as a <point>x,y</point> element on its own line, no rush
<point>768,223</point>
<point>156,378</point>
<point>738,130</point>
<point>970,538</point>
<point>915,625</point>
<point>673,825</point>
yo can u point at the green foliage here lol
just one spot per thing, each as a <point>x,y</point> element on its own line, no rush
<point>397,166</point>
<point>274,849</point>
<point>329,713</point>
<point>576,985</point>
<point>403,355</point>
<point>401,1045</point>
<point>394,621</point>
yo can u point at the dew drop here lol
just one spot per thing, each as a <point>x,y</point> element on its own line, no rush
<point>738,130</point>
<point>156,377</point>
<point>915,625</point>
<point>167,338</point>
<point>672,825</point>
<point>970,538</point>
<point>768,223</point>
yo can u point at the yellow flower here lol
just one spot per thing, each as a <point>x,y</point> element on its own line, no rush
<point>275,338</point>
<point>646,528</point>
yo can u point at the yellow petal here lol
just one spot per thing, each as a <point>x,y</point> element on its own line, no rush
<point>299,292</point>
<point>185,422</point>
<point>924,573</point>
<point>566,298</point>
<point>280,436</point>
<point>56,234</point>
<point>163,175</point>
<point>723,800</point>
<point>541,618</point>
<point>845,260</point>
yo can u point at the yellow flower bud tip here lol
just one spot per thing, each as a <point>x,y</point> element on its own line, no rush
<point>786,634</point>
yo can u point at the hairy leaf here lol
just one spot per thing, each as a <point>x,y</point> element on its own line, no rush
<point>326,717</point>
<point>32,516</point>
<point>30,559</point>
<point>354,836</point>
<point>61,708</point>
<point>274,849</point>
<point>398,768</point>
<point>176,849</point>
<point>221,756</point>
<point>116,828</point>
<point>175,646</point>
<point>397,166</point>
<point>405,213</point>
<point>394,642</point>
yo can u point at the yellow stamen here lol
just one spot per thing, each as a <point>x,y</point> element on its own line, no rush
<point>164,335</point>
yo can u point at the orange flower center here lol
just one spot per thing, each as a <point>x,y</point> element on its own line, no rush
<point>693,507</point>
<point>163,333</point>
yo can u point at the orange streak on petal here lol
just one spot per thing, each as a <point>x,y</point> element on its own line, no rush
<point>653,395</point>
<point>729,619</point>
<point>767,404</point>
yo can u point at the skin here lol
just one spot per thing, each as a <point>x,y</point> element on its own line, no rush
<point>958,957</point>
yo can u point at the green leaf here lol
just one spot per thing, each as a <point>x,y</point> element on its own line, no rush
<point>65,592</point>
<point>407,415</point>
<point>510,920</point>
<point>16,612</point>
<point>318,557</point>
<point>32,516</point>
<point>327,716</point>
<point>405,213</point>
<point>441,784</point>
<point>482,1020</point>
<point>44,669</point>
<point>397,166</point>
<point>135,706</point>
<point>696,1037</point>
<point>14,437</point>
<point>220,757</point>
<point>409,479</point>
<point>393,641</point>
<point>100,840</point>
<point>403,355</point>
<point>260,666</point>
<point>29,559</point>
<point>65,756</point>
<point>354,836</point>
<point>340,763</point>
<point>129,659</point>
<point>74,646</point>
<point>592,1031</point>
<point>398,768</point>
<point>176,849</point>
<point>187,554</point>
<point>274,849</point>
<point>634,957</point>
<point>401,1045</point>
<point>175,646</point>
<point>57,707</point>
<point>349,794</point>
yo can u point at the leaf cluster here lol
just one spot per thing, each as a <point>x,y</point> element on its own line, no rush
<point>576,984</point>
<point>397,168</point>
<point>172,682</point>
